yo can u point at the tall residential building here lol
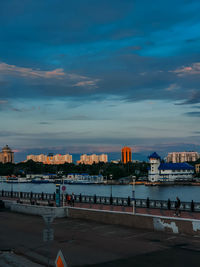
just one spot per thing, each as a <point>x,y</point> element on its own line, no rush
<point>51,159</point>
<point>177,157</point>
<point>90,159</point>
<point>7,155</point>
<point>126,155</point>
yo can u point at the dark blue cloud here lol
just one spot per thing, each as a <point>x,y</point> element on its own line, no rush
<point>125,48</point>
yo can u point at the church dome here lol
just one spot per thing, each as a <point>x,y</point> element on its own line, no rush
<point>6,149</point>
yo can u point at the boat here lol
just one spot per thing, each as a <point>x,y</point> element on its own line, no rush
<point>12,180</point>
<point>39,180</point>
<point>70,181</point>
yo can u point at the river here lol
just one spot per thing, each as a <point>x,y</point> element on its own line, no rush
<point>185,193</point>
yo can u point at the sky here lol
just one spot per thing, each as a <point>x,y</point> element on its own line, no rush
<point>91,76</point>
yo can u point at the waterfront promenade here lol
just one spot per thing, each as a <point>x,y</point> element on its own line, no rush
<point>119,208</point>
<point>89,243</point>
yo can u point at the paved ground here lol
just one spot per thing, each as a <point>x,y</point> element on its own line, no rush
<point>159,212</point>
<point>86,243</point>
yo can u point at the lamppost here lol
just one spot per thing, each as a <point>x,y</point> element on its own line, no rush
<point>133,193</point>
<point>111,185</point>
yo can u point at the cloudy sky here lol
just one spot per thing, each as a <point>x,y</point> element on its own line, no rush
<point>92,76</point>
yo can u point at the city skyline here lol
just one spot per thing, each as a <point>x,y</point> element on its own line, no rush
<point>94,76</point>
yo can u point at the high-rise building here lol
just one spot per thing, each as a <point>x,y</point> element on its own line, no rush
<point>178,157</point>
<point>7,155</point>
<point>126,155</point>
<point>51,159</point>
<point>90,159</point>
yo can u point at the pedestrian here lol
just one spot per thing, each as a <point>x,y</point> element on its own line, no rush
<point>73,199</point>
<point>69,199</point>
<point>177,207</point>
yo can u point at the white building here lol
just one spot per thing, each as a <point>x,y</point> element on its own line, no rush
<point>177,157</point>
<point>51,159</point>
<point>90,159</point>
<point>168,171</point>
<point>84,177</point>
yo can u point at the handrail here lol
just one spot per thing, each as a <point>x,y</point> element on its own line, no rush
<point>111,200</point>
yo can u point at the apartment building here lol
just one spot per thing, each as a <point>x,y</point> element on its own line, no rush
<point>178,157</point>
<point>51,159</point>
<point>90,159</point>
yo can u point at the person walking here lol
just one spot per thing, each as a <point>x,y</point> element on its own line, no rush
<point>177,207</point>
<point>69,199</point>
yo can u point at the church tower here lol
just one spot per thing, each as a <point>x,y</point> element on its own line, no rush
<point>7,155</point>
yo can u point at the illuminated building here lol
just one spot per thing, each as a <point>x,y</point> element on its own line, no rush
<point>7,155</point>
<point>126,155</point>
<point>90,159</point>
<point>51,159</point>
<point>177,157</point>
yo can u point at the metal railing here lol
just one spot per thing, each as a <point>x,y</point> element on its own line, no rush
<point>116,201</point>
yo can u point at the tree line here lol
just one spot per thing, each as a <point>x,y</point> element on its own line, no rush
<point>117,171</point>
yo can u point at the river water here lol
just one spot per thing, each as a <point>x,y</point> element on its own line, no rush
<point>185,193</point>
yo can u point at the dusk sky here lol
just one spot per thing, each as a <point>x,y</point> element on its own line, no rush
<point>88,76</point>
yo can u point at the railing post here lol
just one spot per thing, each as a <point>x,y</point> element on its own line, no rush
<point>169,204</point>
<point>111,200</point>
<point>147,202</point>
<point>192,205</point>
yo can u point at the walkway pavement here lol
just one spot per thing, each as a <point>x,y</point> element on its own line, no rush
<point>89,243</point>
<point>158,212</point>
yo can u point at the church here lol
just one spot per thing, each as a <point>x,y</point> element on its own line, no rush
<point>161,172</point>
<point>7,155</point>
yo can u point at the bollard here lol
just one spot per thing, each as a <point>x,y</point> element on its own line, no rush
<point>95,199</point>
<point>169,204</point>
<point>42,196</point>
<point>111,200</point>
<point>80,198</point>
<point>129,201</point>
<point>147,203</point>
<point>192,205</point>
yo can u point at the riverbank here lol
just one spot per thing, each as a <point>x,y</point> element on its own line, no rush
<point>166,183</point>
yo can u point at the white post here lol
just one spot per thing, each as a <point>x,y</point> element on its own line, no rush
<point>63,193</point>
<point>111,185</point>
<point>133,194</point>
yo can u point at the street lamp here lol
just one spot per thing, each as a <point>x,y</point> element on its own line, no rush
<point>133,193</point>
<point>111,184</point>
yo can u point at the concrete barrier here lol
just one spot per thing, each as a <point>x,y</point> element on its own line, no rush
<point>58,212</point>
<point>153,223</point>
